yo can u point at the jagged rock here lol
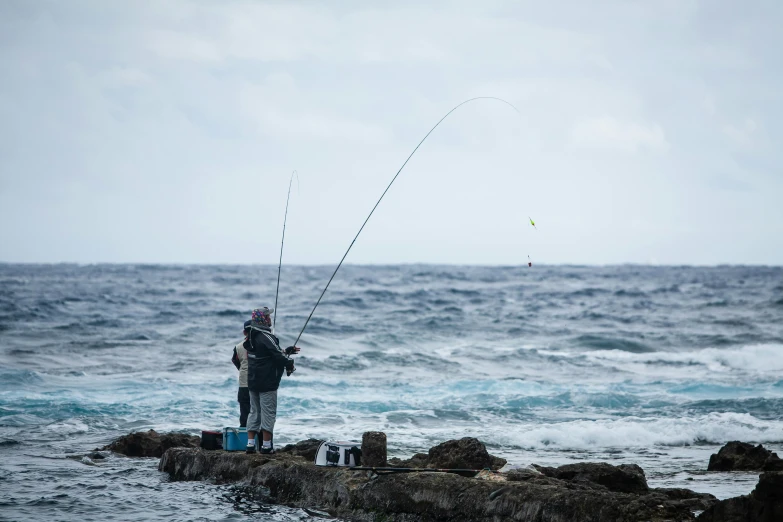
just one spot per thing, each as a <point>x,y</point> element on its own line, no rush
<point>304,448</point>
<point>151,443</point>
<point>465,453</point>
<point>627,478</point>
<point>428,497</point>
<point>741,456</point>
<point>374,449</point>
<point>764,504</point>
<point>418,460</point>
<point>690,499</point>
<point>773,463</point>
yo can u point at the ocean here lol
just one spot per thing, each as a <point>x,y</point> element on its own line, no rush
<point>657,366</point>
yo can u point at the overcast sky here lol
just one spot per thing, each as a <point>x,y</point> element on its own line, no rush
<point>155,131</point>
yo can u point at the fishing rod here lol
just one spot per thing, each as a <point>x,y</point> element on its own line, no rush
<point>385,470</point>
<point>282,241</point>
<point>384,193</point>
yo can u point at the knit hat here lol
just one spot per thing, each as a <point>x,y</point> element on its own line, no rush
<point>261,317</point>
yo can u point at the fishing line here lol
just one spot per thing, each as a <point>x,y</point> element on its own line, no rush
<point>384,193</point>
<point>282,241</point>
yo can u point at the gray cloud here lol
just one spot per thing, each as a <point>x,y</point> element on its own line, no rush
<point>166,131</point>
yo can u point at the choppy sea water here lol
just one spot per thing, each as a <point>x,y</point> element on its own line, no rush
<point>657,366</point>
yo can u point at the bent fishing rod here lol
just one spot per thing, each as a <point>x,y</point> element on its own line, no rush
<point>282,241</point>
<point>384,193</point>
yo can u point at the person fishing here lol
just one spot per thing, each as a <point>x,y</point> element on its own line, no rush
<point>266,362</point>
<point>239,358</point>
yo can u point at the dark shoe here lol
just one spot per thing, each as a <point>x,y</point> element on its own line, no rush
<point>266,451</point>
<point>250,450</point>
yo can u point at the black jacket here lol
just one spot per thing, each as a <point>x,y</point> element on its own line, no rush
<point>266,362</point>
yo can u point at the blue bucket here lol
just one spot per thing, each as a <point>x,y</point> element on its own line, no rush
<point>234,439</point>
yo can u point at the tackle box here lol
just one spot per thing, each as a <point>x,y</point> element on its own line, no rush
<point>211,440</point>
<point>347,454</point>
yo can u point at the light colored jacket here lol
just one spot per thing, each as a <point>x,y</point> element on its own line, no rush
<point>242,356</point>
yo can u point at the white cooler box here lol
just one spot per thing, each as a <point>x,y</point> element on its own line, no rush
<point>344,454</point>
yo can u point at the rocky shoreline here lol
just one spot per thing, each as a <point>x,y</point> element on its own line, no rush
<point>585,492</point>
<point>522,495</point>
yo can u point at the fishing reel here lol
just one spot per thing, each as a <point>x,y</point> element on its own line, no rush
<point>291,350</point>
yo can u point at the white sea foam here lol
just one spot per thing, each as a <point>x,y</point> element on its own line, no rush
<point>68,427</point>
<point>744,363</point>
<point>763,358</point>
<point>630,432</point>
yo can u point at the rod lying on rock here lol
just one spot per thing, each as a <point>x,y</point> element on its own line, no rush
<point>417,470</point>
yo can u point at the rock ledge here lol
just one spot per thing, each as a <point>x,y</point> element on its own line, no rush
<point>569,493</point>
<point>151,443</point>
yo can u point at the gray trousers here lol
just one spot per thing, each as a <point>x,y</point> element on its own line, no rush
<point>263,411</point>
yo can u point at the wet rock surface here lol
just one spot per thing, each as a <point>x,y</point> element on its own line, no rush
<point>465,453</point>
<point>626,478</point>
<point>741,456</point>
<point>590,492</point>
<point>764,504</point>
<point>304,448</point>
<point>151,443</point>
<point>419,460</point>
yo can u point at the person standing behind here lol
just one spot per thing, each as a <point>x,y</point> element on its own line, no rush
<point>240,361</point>
<point>266,362</point>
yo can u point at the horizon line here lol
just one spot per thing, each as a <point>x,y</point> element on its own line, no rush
<point>319,265</point>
